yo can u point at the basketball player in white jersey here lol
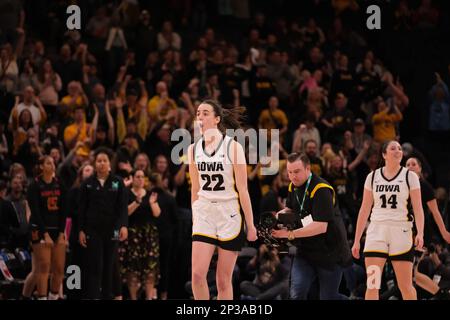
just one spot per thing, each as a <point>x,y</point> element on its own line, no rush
<point>389,235</point>
<point>218,173</point>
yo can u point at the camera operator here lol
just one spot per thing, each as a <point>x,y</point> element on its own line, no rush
<point>322,247</point>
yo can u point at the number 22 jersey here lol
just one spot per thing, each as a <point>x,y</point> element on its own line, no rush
<point>391,196</point>
<point>215,170</point>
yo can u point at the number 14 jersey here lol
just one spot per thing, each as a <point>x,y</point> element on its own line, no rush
<point>391,196</point>
<point>215,170</point>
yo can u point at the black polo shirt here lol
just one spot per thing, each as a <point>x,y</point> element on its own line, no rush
<point>317,250</point>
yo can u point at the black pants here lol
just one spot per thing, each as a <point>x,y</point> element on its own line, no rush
<point>77,257</point>
<point>101,254</point>
<point>166,242</point>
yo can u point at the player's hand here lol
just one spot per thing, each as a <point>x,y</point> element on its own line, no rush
<point>48,240</point>
<point>61,239</point>
<point>251,233</point>
<point>419,242</point>
<point>355,249</point>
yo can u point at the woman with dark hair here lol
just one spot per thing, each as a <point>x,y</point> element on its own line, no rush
<point>103,222</point>
<point>46,198</point>
<point>217,167</point>
<point>387,191</point>
<point>431,230</point>
<point>140,253</point>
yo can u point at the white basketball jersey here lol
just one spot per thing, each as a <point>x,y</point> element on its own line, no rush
<point>216,175</point>
<point>391,196</point>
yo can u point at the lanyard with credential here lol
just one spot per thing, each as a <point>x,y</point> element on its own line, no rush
<point>304,194</point>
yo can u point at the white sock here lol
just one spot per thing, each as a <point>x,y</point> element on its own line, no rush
<point>53,296</point>
<point>42,298</point>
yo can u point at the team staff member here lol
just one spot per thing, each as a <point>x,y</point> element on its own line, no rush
<point>46,198</point>
<point>387,191</point>
<point>103,221</point>
<point>321,242</point>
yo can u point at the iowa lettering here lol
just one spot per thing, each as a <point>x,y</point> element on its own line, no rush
<point>388,188</point>
<point>210,166</point>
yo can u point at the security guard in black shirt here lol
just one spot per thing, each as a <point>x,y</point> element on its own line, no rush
<point>321,241</point>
